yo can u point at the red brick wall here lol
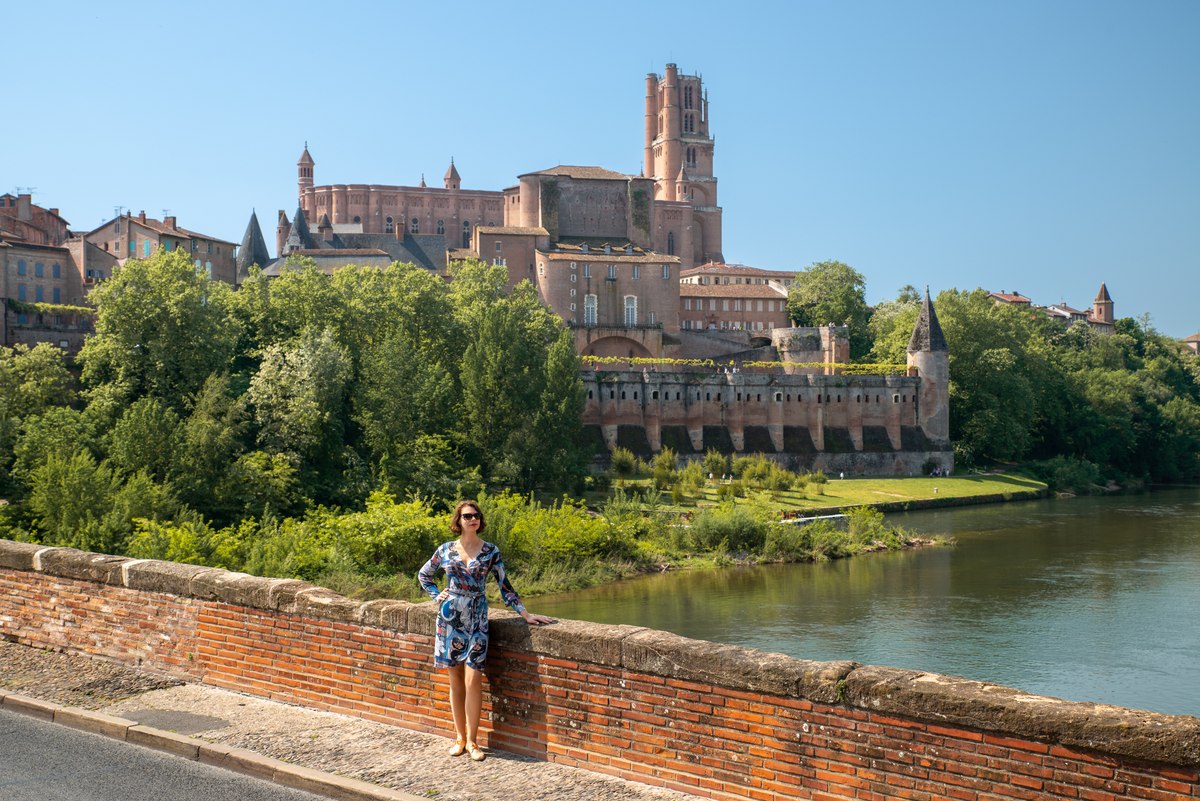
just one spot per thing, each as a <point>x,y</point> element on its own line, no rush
<point>616,700</point>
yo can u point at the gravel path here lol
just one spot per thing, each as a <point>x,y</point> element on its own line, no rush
<point>374,752</point>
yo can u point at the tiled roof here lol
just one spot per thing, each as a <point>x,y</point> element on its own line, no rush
<point>341,252</point>
<point>253,249</point>
<point>712,268</point>
<point>573,171</point>
<point>1192,338</point>
<point>1062,308</point>
<point>765,291</point>
<point>1010,297</point>
<point>1102,295</point>
<point>510,229</point>
<point>160,227</point>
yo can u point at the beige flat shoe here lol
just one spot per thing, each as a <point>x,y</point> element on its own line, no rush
<point>458,749</point>
<point>476,752</point>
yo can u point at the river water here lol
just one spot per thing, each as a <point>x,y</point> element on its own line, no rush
<point>1087,599</point>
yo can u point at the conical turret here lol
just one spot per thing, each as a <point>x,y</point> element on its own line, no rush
<point>253,249</point>
<point>453,181</point>
<point>929,353</point>
<point>927,333</point>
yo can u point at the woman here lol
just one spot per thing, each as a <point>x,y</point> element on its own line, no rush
<point>462,625</point>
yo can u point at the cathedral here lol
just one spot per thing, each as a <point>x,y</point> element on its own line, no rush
<point>609,253</point>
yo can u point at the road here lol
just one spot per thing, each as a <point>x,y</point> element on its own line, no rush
<point>41,761</point>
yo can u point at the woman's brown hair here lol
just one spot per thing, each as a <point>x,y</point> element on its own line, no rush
<point>456,518</point>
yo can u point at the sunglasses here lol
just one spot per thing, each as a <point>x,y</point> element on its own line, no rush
<point>471,516</point>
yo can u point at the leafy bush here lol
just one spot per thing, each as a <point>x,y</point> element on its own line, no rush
<point>735,528</point>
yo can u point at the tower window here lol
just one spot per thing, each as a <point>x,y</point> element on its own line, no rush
<point>589,309</point>
<point>441,226</point>
<point>671,243</point>
<point>357,219</point>
<point>415,226</point>
<point>389,226</point>
<point>631,311</point>
<point>466,234</point>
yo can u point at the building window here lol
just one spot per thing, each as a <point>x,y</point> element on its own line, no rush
<point>572,290</point>
<point>415,226</point>
<point>651,318</point>
<point>587,270</point>
<point>195,245</point>
<point>132,246</point>
<point>542,268</point>
<point>724,304</point>
<point>497,247</point>
<point>38,294</point>
<point>737,305</point>
<point>441,227</point>
<point>466,233</point>
<point>57,295</point>
<point>389,226</point>
<point>146,247</point>
<point>357,219</point>
<point>630,310</point>
<point>572,307</point>
<point>589,309</point>
<point>687,304</point>
<point>637,272</point>
<point>612,272</point>
<point>208,269</point>
<point>39,270</point>
<point>20,292</point>
<point>21,267</point>
<point>666,272</point>
<point>210,247</point>
<point>573,279</point>
<point>760,305</point>
<point>671,243</point>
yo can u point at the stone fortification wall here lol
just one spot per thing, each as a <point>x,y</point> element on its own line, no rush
<point>721,721</point>
<point>859,424</point>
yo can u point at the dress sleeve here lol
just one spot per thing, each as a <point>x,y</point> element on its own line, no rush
<point>425,576</point>
<point>507,593</point>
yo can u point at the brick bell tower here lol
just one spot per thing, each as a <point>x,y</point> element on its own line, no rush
<point>679,155</point>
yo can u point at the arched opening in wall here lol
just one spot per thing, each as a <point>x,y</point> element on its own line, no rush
<point>760,342</point>
<point>466,234</point>
<point>623,347</point>
<point>441,227</point>
<point>670,243</point>
<point>389,226</point>
<point>357,219</point>
<point>415,226</point>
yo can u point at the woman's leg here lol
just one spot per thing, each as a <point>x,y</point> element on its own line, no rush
<point>474,702</point>
<point>458,705</point>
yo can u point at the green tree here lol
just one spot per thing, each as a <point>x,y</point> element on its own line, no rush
<point>891,326</point>
<point>211,440</point>
<point>162,328</point>
<point>832,292</point>
<point>145,438</point>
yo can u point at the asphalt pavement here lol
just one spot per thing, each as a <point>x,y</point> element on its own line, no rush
<point>42,761</point>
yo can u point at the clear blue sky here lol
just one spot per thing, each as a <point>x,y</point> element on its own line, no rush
<point>1041,147</point>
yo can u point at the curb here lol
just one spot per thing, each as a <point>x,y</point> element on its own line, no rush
<point>238,760</point>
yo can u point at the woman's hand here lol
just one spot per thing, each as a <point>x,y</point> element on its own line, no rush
<point>537,620</point>
<point>443,595</point>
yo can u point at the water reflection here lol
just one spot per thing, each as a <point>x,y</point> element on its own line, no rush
<point>1088,599</point>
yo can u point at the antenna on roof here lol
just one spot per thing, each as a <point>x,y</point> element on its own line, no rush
<point>28,190</point>
<point>118,210</point>
<point>165,213</point>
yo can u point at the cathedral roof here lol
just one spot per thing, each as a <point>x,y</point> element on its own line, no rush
<point>253,249</point>
<point>572,171</point>
<point>1102,295</point>
<point>927,333</point>
<point>300,237</point>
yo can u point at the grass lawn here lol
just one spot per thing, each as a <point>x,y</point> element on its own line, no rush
<point>858,491</point>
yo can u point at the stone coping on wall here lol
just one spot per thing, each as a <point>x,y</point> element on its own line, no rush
<point>926,697</point>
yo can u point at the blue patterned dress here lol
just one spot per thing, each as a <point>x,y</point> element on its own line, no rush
<point>462,623</point>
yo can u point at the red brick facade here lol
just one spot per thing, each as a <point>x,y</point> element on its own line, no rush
<point>719,721</point>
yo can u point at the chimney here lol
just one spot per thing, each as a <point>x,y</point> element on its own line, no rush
<point>25,207</point>
<point>170,223</point>
<point>141,216</point>
<point>54,212</point>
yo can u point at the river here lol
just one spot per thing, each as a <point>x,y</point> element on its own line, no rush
<point>1087,599</point>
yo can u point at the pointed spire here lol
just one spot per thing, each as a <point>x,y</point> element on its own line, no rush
<point>299,238</point>
<point>927,333</point>
<point>253,249</point>
<point>422,184</point>
<point>1102,296</point>
<point>305,157</point>
<point>453,180</point>
<point>682,174</point>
